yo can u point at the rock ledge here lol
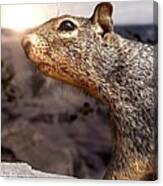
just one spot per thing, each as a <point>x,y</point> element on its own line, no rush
<point>25,170</point>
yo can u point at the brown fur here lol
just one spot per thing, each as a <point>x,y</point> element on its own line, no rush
<point>119,72</point>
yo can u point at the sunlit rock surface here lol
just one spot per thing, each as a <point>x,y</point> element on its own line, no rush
<point>24,170</point>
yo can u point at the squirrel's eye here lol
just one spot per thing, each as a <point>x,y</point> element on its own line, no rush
<point>67,26</point>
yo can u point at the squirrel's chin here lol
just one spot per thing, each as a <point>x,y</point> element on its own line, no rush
<point>45,68</point>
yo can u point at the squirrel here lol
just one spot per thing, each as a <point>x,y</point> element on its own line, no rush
<point>87,53</point>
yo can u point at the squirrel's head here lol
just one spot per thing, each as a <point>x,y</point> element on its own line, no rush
<point>66,47</point>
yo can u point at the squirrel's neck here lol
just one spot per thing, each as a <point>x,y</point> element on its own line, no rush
<point>127,87</point>
<point>122,77</point>
<point>130,93</point>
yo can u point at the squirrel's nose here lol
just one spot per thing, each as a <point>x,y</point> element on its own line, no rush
<point>26,44</point>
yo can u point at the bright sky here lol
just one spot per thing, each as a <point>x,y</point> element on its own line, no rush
<point>20,17</point>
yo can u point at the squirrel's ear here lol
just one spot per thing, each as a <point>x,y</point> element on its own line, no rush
<point>103,16</point>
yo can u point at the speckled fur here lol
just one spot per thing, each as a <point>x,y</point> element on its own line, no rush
<point>120,72</point>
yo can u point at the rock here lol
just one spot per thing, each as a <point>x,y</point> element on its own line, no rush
<point>25,170</point>
<point>55,143</point>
